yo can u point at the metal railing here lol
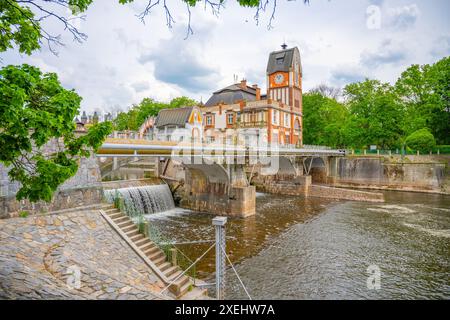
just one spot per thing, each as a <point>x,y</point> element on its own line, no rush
<point>398,152</point>
<point>173,254</point>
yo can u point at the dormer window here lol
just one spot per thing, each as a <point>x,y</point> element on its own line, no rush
<point>279,58</point>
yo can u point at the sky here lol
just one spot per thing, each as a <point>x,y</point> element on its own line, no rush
<point>341,41</point>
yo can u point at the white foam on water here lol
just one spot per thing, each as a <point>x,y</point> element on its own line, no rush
<point>390,208</point>
<point>437,233</point>
<point>379,210</point>
<point>432,208</point>
<point>261,194</point>
<point>166,215</point>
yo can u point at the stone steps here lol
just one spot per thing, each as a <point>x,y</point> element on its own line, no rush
<point>183,285</point>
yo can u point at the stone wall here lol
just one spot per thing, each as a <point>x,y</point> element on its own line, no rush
<point>38,253</point>
<point>411,174</point>
<point>83,189</point>
<point>282,184</point>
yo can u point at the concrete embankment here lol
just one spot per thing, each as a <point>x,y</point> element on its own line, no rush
<point>412,173</point>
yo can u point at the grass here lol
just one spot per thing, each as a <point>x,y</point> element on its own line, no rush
<point>24,214</point>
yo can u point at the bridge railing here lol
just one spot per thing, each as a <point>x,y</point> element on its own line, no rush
<point>316,147</point>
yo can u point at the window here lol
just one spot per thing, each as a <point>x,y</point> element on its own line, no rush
<point>208,120</point>
<point>275,117</point>
<point>287,122</point>
<point>279,58</point>
<point>230,118</point>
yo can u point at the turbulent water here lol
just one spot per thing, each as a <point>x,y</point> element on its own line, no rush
<point>147,200</point>
<point>297,248</point>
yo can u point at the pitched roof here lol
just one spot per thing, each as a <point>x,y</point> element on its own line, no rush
<point>231,94</point>
<point>281,60</point>
<point>173,117</point>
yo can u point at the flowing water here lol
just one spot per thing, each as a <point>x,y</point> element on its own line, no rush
<point>148,200</point>
<point>298,248</point>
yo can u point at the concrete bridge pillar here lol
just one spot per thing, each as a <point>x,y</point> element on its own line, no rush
<point>215,189</point>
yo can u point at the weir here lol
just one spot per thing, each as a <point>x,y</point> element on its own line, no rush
<point>146,200</point>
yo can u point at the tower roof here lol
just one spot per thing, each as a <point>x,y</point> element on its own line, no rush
<point>282,60</point>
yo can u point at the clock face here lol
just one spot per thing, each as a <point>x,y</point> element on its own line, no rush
<point>279,78</point>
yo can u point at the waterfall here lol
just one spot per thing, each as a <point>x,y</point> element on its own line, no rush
<point>143,200</point>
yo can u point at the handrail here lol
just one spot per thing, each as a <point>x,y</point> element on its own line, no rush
<point>180,275</point>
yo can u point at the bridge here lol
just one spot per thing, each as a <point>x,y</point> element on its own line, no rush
<point>217,177</point>
<point>118,147</point>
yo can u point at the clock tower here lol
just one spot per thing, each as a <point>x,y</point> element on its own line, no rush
<point>284,77</point>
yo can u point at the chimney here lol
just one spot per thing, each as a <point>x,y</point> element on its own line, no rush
<point>243,84</point>
<point>258,92</point>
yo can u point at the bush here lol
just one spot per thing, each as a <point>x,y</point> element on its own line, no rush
<point>421,140</point>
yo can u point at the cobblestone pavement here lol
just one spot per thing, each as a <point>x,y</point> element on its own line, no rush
<point>40,257</point>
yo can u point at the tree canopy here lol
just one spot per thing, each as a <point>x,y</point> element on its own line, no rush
<point>136,116</point>
<point>37,139</point>
<point>376,113</point>
<point>323,119</point>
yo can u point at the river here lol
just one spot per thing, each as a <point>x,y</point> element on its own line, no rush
<point>311,248</point>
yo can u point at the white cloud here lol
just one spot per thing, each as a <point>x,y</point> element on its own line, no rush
<point>389,52</point>
<point>124,60</point>
<point>403,17</point>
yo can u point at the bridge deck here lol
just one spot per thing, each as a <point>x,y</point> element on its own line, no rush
<point>142,147</point>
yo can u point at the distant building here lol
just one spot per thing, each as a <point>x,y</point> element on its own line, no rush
<point>84,118</point>
<point>277,116</point>
<point>108,117</point>
<point>179,124</point>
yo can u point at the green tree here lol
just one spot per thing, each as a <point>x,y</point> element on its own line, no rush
<point>324,120</point>
<point>136,116</point>
<point>422,140</point>
<point>37,139</point>
<point>425,94</point>
<point>375,115</point>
